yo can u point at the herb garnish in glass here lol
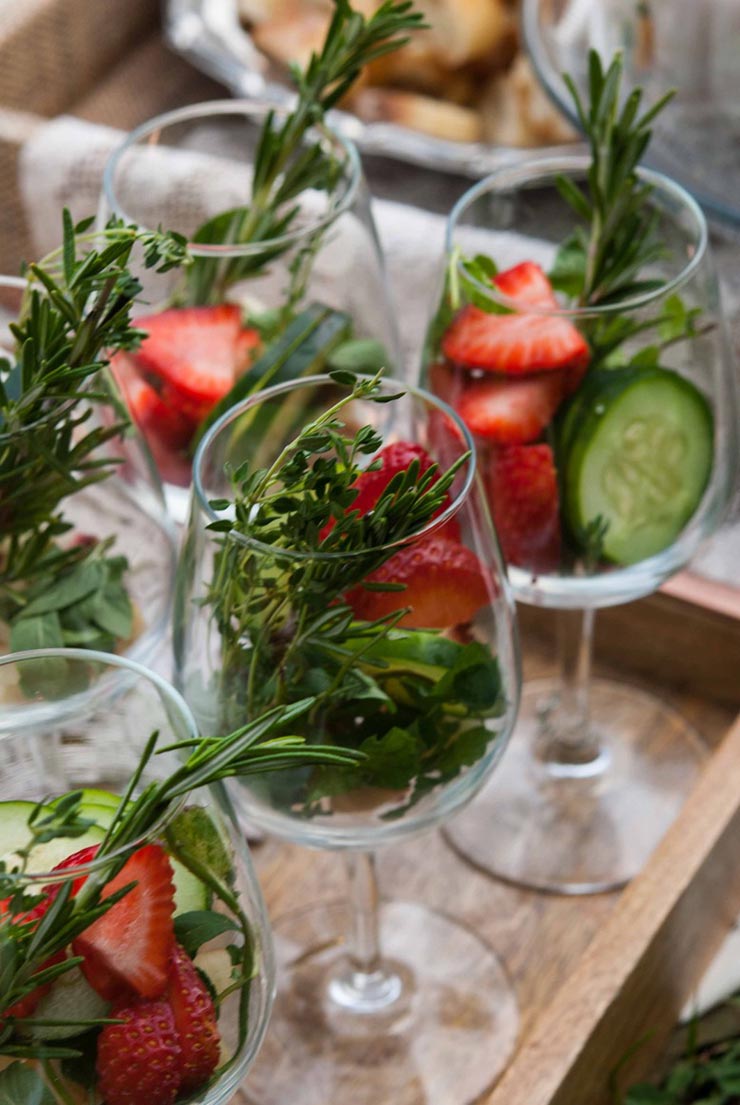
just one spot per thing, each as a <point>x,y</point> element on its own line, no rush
<point>580,338</point>
<point>287,279</point>
<point>339,546</point>
<point>136,954</point>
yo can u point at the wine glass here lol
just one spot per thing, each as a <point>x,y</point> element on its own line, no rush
<point>603,480</point>
<point>403,634</point>
<point>76,722</point>
<point>293,304</point>
<point>125,510</point>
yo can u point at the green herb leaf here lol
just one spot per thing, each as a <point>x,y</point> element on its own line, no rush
<point>194,929</point>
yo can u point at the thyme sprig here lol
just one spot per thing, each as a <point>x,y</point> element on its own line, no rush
<point>27,944</point>
<point>286,165</point>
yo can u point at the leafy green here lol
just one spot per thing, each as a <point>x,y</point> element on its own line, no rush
<point>406,699</point>
<point>21,1083</point>
<point>194,929</point>
<point>76,312</point>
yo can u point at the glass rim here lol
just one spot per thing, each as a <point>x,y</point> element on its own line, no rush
<point>533,168</point>
<point>276,390</point>
<point>18,717</point>
<point>244,108</point>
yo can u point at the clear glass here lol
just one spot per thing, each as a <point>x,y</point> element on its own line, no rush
<point>186,167</point>
<point>345,995</point>
<point>127,508</point>
<point>697,138</point>
<point>76,720</point>
<point>584,765</point>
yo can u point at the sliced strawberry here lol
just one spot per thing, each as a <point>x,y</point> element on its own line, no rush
<point>150,410</point>
<point>514,344</point>
<point>248,345</point>
<point>511,411</point>
<point>370,485</point>
<point>138,1062</point>
<point>523,495</point>
<point>527,285</point>
<point>197,351</point>
<point>521,342</point>
<point>195,1021</point>
<point>445,586</point>
<point>127,950</point>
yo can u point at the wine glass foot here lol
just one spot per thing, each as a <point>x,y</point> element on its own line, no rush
<point>440,1034</point>
<point>591,828</point>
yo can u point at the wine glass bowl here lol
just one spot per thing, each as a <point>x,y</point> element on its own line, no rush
<point>291,291</point>
<point>606,431</point>
<point>688,46</point>
<point>76,722</point>
<point>394,617</point>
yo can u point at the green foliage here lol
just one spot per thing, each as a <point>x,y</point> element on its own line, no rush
<point>76,311</point>
<point>602,262</point>
<point>408,700</point>
<point>287,164</point>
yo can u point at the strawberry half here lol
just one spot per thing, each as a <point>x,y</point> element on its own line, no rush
<point>445,586</point>
<point>523,495</point>
<point>511,411</point>
<point>195,1021</point>
<point>521,342</point>
<point>126,951</point>
<point>370,485</point>
<point>197,351</point>
<point>139,1062</point>
<point>527,285</point>
<point>154,417</point>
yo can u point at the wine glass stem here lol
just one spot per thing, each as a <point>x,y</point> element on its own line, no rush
<point>567,743</point>
<point>365,984</point>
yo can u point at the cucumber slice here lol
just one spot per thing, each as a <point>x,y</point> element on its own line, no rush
<point>636,450</point>
<point>71,999</point>
<point>93,796</point>
<point>14,831</point>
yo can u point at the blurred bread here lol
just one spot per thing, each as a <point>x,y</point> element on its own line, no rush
<point>517,112</point>
<point>423,113</point>
<point>464,78</point>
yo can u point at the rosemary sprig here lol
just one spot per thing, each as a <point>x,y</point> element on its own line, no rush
<point>286,165</point>
<point>26,945</point>
<point>621,234</point>
<point>76,311</point>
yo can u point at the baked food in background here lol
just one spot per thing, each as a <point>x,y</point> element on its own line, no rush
<point>463,79</point>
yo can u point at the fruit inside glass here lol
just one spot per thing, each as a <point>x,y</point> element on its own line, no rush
<point>606,436</point>
<point>162,996</point>
<point>257,306</point>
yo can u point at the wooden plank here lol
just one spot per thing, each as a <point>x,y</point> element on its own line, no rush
<point>636,975</point>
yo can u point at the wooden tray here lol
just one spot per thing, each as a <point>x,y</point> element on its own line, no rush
<point>595,976</point>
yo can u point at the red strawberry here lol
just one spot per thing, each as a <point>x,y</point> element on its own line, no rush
<point>445,585</point>
<point>197,351</point>
<point>370,485</point>
<point>523,494</point>
<point>517,343</point>
<point>139,1061</point>
<point>511,412</point>
<point>514,344</point>
<point>195,1021</point>
<point>527,285</point>
<point>149,410</point>
<point>127,950</point>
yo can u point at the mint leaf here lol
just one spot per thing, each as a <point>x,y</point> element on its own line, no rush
<point>41,631</point>
<point>474,681</point>
<point>69,589</point>
<point>393,760</point>
<point>569,268</point>
<point>194,929</point>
